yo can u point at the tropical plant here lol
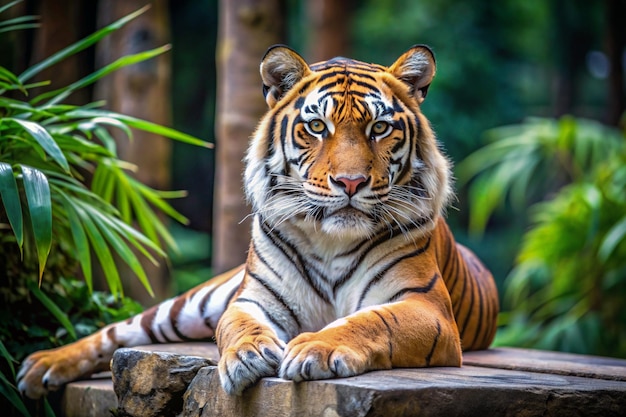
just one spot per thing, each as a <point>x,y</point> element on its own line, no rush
<point>65,197</point>
<point>567,287</point>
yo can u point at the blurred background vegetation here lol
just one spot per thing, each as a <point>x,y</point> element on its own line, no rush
<point>528,103</point>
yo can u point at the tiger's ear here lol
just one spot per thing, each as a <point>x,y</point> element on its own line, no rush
<point>281,68</point>
<point>416,67</point>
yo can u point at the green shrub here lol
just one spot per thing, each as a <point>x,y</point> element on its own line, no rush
<point>69,204</point>
<point>567,287</point>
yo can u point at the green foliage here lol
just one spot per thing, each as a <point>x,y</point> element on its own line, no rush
<point>567,287</point>
<point>28,325</point>
<point>47,152</point>
<point>65,198</point>
<point>483,53</point>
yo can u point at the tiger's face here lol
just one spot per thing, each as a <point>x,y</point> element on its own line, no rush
<point>344,148</point>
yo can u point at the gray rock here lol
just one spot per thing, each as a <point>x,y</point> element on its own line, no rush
<point>152,383</point>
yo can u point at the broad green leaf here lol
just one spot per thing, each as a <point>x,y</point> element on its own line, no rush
<point>156,198</point>
<point>11,200</point>
<point>615,235</point>
<point>80,239</point>
<point>7,355</point>
<point>143,125</point>
<point>9,392</point>
<point>123,251</point>
<point>123,202</point>
<point>100,248</point>
<point>37,192</point>
<point>9,5</point>
<point>139,243</point>
<point>77,144</point>
<point>19,27</point>
<point>132,235</point>
<point>61,94</point>
<point>10,79</point>
<point>46,141</point>
<point>18,20</point>
<point>107,140</point>
<point>79,46</point>
<point>164,131</point>
<point>104,181</point>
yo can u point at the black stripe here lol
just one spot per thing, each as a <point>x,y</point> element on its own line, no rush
<point>367,85</point>
<point>407,168</point>
<point>336,72</point>
<point>326,87</point>
<point>390,265</point>
<point>269,152</point>
<point>174,324</point>
<point>276,295</point>
<point>397,146</point>
<point>481,306</point>
<point>146,323</point>
<point>471,303</point>
<point>163,335</point>
<point>390,334</point>
<point>283,133</point>
<point>420,290</point>
<point>432,349</point>
<point>382,238</point>
<point>454,272</point>
<point>275,322</point>
<point>280,243</point>
<point>265,262</point>
<point>304,87</point>
<point>463,276</point>
<point>444,270</point>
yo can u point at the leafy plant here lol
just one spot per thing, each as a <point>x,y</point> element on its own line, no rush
<point>65,197</point>
<point>45,149</point>
<point>567,287</point>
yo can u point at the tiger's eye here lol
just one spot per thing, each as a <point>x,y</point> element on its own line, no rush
<point>379,128</point>
<point>317,126</point>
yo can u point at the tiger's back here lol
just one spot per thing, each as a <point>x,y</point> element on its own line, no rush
<point>351,266</point>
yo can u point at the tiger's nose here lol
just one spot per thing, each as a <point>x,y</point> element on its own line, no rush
<point>351,185</point>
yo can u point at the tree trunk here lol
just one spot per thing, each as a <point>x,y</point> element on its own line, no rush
<point>143,91</point>
<point>63,22</point>
<point>329,29</point>
<point>615,47</point>
<point>246,29</point>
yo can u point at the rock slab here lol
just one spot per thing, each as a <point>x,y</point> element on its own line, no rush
<point>151,383</point>
<point>466,391</point>
<point>178,379</point>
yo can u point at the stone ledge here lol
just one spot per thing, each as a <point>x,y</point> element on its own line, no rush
<point>500,382</point>
<point>466,391</point>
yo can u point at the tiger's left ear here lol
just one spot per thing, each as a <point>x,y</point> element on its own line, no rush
<point>416,67</point>
<point>281,68</point>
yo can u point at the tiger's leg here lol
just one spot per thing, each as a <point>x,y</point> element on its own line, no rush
<point>250,347</point>
<point>190,316</point>
<point>413,332</point>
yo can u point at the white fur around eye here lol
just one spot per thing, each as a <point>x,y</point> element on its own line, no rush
<point>317,106</point>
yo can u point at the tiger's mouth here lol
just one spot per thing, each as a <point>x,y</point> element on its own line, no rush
<point>347,221</point>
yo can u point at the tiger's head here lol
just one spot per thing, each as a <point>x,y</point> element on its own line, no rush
<point>344,148</point>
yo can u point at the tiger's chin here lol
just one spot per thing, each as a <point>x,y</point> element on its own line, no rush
<point>348,223</point>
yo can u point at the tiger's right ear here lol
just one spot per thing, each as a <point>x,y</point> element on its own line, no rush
<point>281,68</point>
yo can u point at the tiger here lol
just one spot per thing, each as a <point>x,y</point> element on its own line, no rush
<point>351,266</point>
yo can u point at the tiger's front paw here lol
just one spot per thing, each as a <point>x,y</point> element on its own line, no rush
<point>48,370</point>
<point>251,359</point>
<point>308,357</point>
